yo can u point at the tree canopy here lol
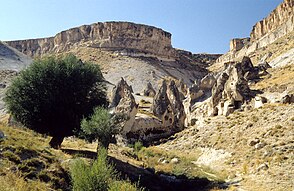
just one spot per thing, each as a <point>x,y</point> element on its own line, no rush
<point>54,94</point>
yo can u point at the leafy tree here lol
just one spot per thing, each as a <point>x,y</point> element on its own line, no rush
<point>102,126</point>
<point>53,94</point>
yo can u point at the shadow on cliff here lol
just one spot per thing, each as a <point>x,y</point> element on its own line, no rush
<point>150,180</point>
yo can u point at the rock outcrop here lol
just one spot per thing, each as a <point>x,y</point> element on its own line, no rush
<point>108,35</point>
<point>237,44</point>
<point>283,13</point>
<point>231,89</point>
<point>11,59</point>
<point>166,117</point>
<point>149,90</point>
<point>121,90</point>
<point>278,24</point>
<point>162,107</point>
<point>175,98</point>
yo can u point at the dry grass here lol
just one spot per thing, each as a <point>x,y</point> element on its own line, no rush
<point>279,79</point>
<point>27,162</point>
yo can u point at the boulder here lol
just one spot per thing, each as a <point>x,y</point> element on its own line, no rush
<point>2,136</point>
<point>289,98</point>
<point>259,101</point>
<point>248,70</point>
<point>149,90</point>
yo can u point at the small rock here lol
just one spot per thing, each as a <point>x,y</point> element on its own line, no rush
<point>2,86</point>
<point>259,145</point>
<point>263,166</point>
<point>174,161</point>
<point>164,162</point>
<point>160,160</point>
<point>2,136</point>
<point>253,142</point>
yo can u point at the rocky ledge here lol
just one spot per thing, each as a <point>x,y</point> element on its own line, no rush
<point>108,35</point>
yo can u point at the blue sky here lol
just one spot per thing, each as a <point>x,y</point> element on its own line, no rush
<point>196,25</point>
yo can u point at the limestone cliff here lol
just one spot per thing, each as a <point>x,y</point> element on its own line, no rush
<point>278,24</point>
<point>279,16</point>
<point>108,35</point>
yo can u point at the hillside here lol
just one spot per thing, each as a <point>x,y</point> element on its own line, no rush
<point>204,122</point>
<point>11,59</point>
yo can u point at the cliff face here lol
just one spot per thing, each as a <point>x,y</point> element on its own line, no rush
<point>277,25</point>
<point>237,44</point>
<point>279,16</point>
<point>108,35</point>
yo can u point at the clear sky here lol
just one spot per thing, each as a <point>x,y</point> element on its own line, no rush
<point>196,25</point>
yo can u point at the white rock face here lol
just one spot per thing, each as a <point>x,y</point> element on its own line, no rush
<point>11,59</point>
<point>107,35</point>
<point>212,157</point>
<point>284,59</point>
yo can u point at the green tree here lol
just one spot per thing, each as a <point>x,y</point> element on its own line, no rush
<point>99,126</point>
<point>53,94</point>
<point>102,126</point>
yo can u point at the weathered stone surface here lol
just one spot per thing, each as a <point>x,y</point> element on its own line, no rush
<point>124,35</point>
<point>248,70</point>
<point>289,98</point>
<point>149,90</point>
<point>207,82</point>
<point>231,89</point>
<point>176,102</point>
<point>278,24</point>
<point>259,101</point>
<point>162,107</point>
<point>11,59</point>
<point>124,102</point>
<point>121,90</point>
<point>237,44</point>
<point>279,16</point>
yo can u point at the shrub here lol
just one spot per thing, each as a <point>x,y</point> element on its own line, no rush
<point>123,186</point>
<point>53,94</point>
<point>98,126</point>
<point>92,177</point>
<point>138,146</point>
<point>102,126</point>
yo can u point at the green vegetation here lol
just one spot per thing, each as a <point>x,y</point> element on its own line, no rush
<point>102,126</point>
<point>97,176</point>
<point>28,164</point>
<point>98,126</point>
<point>92,177</point>
<point>53,95</point>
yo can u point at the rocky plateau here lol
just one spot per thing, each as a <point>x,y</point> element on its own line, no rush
<point>236,109</point>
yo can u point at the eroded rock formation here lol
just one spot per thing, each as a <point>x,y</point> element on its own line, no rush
<point>149,90</point>
<point>108,35</point>
<point>121,90</point>
<point>231,89</point>
<point>278,24</point>
<point>283,13</point>
<point>162,107</point>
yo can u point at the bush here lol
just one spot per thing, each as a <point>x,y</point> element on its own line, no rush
<point>99,176</point>
<point>53,94</point>
<point>123,186</point>
<point>138,146</point>
<point>98,126</point>
<point>102,126</point>
<point>92,177</point>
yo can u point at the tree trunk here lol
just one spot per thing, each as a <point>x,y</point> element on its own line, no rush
<point>56,141</point>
